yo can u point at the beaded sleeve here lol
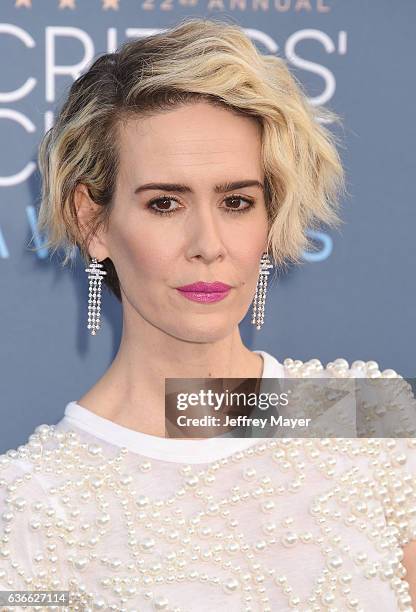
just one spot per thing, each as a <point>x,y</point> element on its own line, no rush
<point>24,552</point>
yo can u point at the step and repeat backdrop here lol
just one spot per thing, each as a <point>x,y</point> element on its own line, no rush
<point>352,297</point>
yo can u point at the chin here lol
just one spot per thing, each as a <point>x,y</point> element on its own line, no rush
<point>206,332</point>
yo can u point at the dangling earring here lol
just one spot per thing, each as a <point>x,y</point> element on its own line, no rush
<point>94,295</point>
<point>261,290</point>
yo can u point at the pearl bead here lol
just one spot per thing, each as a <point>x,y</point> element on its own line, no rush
<point>353,500</point>
<point>358,364</point>
<point>230,585</point>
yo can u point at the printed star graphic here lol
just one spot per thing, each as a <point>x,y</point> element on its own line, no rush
<point>26,3</point>
<point>110,4</point>
<point>67,4</point>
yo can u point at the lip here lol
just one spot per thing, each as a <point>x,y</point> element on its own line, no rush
<point>205,292</point>
<point>205,296</point>
<point>203,287</point>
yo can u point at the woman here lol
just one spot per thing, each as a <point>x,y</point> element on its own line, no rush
<point>184,158</point>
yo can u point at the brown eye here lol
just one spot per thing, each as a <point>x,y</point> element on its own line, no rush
<point>163,206</point>
<point>236,208</point>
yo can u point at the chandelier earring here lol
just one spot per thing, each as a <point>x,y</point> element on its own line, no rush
<point>95,276</point>
<point>261,291</point>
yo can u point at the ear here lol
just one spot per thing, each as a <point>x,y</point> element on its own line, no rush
<point>86,208</point>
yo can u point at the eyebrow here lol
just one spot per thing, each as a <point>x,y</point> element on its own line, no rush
<point>220,188</point>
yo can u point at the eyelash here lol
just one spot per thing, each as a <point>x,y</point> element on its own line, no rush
<point>168,213</point>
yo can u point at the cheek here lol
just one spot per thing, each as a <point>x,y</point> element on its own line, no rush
<point>141,254</point>
<point>248,251</point>
<point>249,245</point>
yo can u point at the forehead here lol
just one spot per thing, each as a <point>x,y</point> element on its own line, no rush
<point>197,136</point>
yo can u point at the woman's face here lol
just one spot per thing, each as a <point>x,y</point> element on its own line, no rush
<point>161,238</point>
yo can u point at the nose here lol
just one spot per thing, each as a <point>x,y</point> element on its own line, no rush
<point>205,234</point>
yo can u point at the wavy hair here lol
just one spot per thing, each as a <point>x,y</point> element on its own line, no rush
<point>195,60</point>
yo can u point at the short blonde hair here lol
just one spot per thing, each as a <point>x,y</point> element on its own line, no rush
<point>195,60</point>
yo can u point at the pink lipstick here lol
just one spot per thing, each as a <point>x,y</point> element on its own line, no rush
<point>205,292</point>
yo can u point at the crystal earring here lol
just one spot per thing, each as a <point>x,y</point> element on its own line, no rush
<point>94,295</point>
<point>261,290</point>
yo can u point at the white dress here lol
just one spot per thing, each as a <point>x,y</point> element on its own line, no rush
<point>128,521</point>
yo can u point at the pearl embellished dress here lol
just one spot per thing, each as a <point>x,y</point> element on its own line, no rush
<point>132,522</point>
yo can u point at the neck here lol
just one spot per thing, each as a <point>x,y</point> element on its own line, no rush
<point>132,391</point>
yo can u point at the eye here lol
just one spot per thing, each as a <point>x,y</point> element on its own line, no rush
<point>234,198</point>
<point>164,202</point>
